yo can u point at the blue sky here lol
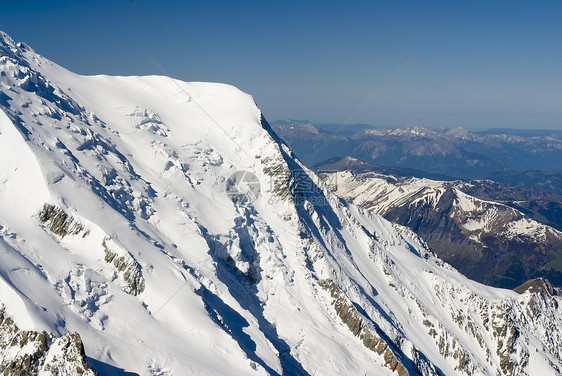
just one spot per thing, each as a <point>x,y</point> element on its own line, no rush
<point>477,64</point>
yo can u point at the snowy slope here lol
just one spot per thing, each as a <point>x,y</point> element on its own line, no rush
<point>482,238</point>
<point>381,193</point>
<point>115,224</point>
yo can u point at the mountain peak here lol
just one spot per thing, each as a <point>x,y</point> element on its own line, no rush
<point>14,51</point>
<point>299,126</point>
<point>537,285</point>
<point>7,46</point>
<point>5,38</point>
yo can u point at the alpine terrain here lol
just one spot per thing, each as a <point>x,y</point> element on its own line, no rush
<point>488,241</point>
<point>504,155</point>
<point>121,252</point>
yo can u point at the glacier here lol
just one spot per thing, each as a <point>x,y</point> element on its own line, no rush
<point>115,224</point>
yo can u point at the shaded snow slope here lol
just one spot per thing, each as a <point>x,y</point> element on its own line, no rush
<point>115,224</point>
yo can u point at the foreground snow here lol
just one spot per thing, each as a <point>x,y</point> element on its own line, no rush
<point>115,224</point>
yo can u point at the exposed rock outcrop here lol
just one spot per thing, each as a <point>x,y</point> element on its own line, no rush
<point>127,265</point>
<point>59,222</point>
<point>539,285</point>
<point>350,317</point>
<point>30,353</point>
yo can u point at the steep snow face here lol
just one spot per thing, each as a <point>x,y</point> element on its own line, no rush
<point>115,224</point>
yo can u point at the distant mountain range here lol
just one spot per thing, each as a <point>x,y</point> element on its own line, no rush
<point>502,230</point>
<point>519,157</point>
<point>491,242</point>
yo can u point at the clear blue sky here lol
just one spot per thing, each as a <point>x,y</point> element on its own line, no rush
<point>477,64</point>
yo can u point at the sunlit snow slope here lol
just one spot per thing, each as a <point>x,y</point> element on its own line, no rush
<point>114,223</point>
<point>488,241</point>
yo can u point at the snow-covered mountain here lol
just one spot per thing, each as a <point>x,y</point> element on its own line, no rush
<point>115,224</point>
<point>486,240</point>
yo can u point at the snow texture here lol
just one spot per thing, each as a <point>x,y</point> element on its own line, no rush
<point>297,282</point>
